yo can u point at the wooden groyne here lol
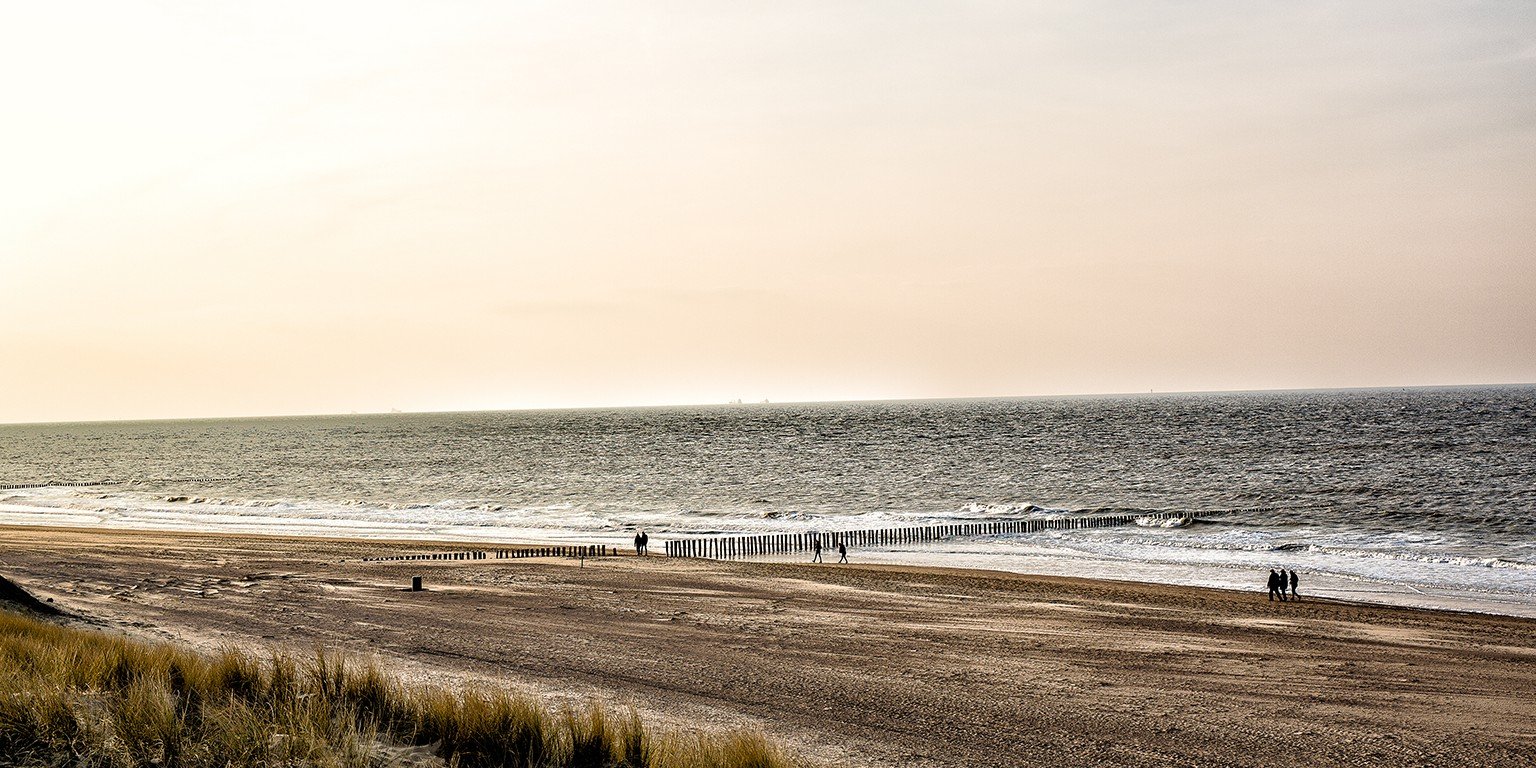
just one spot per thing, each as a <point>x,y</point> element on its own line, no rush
<point>733,547</point>
<point>569,550</point>
<point>54,484</point>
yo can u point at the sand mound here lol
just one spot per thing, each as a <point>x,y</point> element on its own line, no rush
<point>11,593</point>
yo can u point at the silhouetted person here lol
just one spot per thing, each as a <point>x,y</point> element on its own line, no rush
<point>816,547</point>
<point>842,553</point>
<point>1285,578</point>
<point>1274,585</point>
<point>645,543</point>
<point>1293,585</point>
<point>639,545</point>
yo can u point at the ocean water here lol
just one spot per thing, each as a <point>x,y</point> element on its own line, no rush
<point>1417,496</point>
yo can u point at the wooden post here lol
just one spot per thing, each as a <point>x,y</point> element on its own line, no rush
<point>415,583</point>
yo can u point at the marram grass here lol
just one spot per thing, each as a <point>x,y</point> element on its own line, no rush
<point>85,699</point>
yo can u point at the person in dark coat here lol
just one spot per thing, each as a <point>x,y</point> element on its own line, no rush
<point>1294,596</point>
<point>816,547</point>
<point>1285,578</point>
<point>842,552</point>
<point>1274,585</point>
<point>639,545</point>
<point>645,543</point>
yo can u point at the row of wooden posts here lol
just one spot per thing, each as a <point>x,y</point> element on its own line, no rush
<point>730,547</point>
<point>569,550</point>
<point>16,486</point>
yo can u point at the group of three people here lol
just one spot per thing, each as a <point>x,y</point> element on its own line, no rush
<point>1278,581</point>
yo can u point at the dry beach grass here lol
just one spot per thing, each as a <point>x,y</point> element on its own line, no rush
<point>849,665</point>
<point>89,699</point>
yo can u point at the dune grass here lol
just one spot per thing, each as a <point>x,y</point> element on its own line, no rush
<point>81,698</point>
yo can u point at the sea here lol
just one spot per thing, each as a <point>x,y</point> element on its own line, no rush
<point>1422,496</point>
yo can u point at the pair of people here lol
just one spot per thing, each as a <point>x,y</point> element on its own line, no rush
<point>642,543</point>
<point>842,551</point>
<point>1278,581</point>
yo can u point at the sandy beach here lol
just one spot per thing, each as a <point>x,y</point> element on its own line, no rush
<point>850,665</point>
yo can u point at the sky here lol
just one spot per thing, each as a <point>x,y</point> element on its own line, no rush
<point>230,208</point>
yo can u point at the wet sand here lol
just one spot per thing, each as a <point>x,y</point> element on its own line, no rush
<point>851,665</point>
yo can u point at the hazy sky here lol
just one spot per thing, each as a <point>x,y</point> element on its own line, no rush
<point>313,207</point>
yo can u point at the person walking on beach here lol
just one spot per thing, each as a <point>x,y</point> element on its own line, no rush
<point>645,543</point>
<point>816,548</point>
<point>842,552</point>
<point>639,545</point>
<point>1274,585</point>
<point>1294,596</point>
<point>1285,578</point>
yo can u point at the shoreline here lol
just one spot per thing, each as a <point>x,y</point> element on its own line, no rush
<point>853,666</point>
<point>1385,595</point>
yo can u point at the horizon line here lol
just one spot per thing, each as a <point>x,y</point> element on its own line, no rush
<point>744,404</point>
